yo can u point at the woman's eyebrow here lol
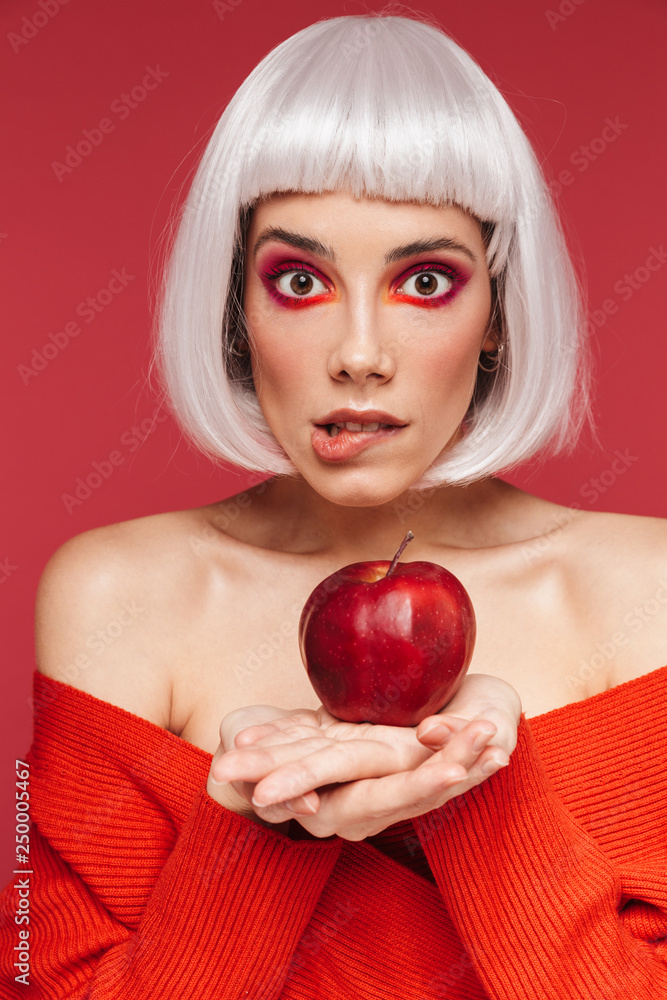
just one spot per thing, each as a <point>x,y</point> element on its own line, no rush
<point>310,245</point>
<point>426,246</point>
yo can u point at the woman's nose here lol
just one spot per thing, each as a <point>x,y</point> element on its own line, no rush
<point>361,345</point>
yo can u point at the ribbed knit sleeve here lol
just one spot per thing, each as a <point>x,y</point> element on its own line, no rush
<point>535,900</point>
<point>133,898</point>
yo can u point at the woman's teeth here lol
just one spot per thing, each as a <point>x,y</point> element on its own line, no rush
<point>334,429</point>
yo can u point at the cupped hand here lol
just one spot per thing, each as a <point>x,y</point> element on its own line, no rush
<point>353,779</point>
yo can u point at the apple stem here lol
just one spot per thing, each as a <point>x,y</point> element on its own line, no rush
<point>408,538</point>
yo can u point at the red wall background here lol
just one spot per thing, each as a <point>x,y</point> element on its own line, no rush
<point>567,67</point>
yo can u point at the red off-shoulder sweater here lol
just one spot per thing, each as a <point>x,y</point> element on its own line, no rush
<point>549,880</point>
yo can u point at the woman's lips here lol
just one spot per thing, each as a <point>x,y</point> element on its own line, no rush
<point>347,444</point>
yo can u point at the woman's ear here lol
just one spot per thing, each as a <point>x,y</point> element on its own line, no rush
<point>491,341</point>
<point>493,337</point>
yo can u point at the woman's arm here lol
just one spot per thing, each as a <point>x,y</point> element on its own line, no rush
<point>218,916</point>
<point>135,892</point>
<point>534,898</point>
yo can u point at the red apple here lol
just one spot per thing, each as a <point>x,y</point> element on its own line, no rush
<point>387,643</point>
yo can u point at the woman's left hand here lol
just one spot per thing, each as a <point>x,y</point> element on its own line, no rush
<point>369,777</point>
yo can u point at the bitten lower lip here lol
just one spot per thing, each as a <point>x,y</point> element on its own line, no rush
<point>347,444</point>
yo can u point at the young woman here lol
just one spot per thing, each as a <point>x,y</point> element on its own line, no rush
<point>369,298</point>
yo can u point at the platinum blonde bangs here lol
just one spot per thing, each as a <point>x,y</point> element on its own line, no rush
<point>387,107</point>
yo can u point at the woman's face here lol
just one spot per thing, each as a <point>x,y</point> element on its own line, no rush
<point>364,305</point>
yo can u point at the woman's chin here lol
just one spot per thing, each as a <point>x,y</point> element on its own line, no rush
<point>362,487</point>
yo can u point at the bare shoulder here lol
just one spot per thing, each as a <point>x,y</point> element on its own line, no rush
<point>621,544</point>
<point>110,608</point>
<point>617,564</point>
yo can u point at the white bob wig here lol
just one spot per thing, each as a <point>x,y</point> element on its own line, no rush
<point>388,107</point>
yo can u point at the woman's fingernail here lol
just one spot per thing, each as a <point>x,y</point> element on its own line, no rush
<point>455,774</point>
<point>300,807</point>
<point>213,775</point>
<point>495,763</point>
<point>482,739</point>
<point>436,734</point>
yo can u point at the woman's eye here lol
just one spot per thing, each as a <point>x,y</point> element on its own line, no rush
<point>426,284</point>
<point>300,284</point>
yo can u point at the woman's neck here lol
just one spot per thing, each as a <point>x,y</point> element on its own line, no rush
<point>486,513</point>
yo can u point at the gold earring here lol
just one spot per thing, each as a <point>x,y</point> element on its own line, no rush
<point>496,365</point>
